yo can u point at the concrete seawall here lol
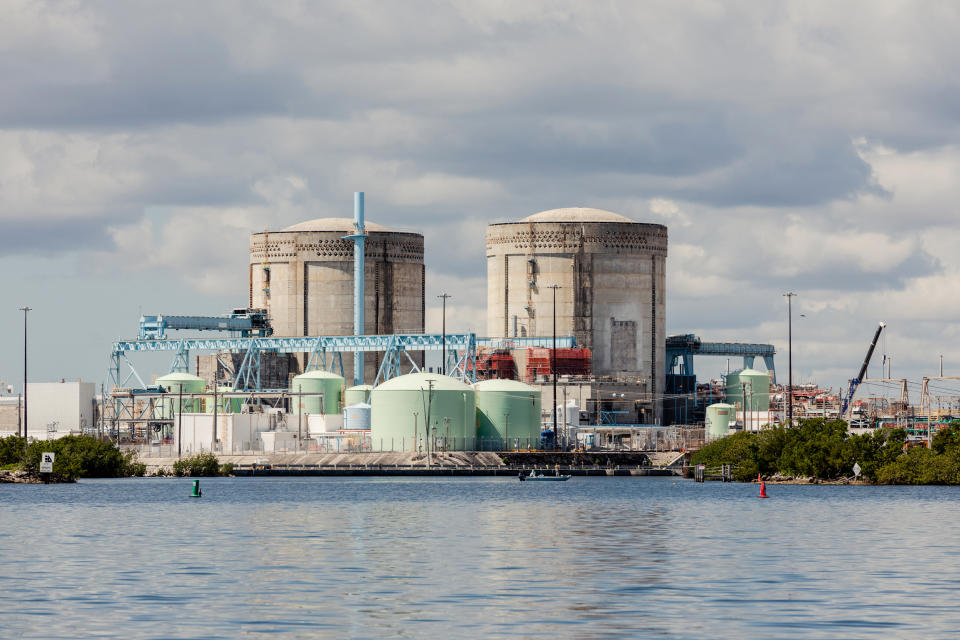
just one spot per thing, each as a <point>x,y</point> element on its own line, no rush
<point>452,463</point>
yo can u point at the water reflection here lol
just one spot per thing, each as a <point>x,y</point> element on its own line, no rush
<point>489,557</point>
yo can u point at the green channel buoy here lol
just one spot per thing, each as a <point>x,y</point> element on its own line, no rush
<point>197,493</point>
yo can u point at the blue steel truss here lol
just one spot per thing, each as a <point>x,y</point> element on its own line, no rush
<point>461,352</point>
<point>563,342</point>
<point>684,347</point>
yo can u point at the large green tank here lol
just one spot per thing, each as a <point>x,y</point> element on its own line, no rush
<point>400,406</point>
<point>719,417</point>
<point>359,394</point>
<point>755,383</point>
<point>225,405</point>
<point>179,381</point>
<point>508,414</point>
<point>329,384</point>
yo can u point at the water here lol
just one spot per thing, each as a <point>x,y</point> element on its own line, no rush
<point>476,558</point>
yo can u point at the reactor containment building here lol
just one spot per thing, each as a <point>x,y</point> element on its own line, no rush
<point>303,276</point>
<point>611,278</point>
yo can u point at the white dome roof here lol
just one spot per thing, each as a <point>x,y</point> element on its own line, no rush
<point>333,224</point>
<point>576,214</point>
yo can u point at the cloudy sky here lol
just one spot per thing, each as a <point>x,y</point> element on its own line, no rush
<point>804,146</point>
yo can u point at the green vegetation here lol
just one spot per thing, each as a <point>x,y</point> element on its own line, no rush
<point>940,464</point>
<point>202,464</point>
<point>815,448</point>
<point>76,457</point>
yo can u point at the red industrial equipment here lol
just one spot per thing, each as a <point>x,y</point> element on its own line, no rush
<point>570,362</point>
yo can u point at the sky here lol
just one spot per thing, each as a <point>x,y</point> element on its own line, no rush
<point>804,146</point>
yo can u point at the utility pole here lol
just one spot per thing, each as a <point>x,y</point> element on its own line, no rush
<point>427,427</point>
<point>553,364</point>
<point>443,335</point>
<point>506,430</point>
<point>213,443</point>
<point>179,422</point>
<point>789,296</point>
<point>26,423</point>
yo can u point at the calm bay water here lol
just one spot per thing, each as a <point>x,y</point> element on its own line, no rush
<point>476,557</point>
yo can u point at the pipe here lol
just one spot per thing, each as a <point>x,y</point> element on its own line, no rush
<point>359,248</point>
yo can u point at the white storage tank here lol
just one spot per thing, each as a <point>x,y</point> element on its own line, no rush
<point>719,417</point>
<point>356,416</point>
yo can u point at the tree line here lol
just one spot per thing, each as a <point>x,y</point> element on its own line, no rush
<point>825,450</point>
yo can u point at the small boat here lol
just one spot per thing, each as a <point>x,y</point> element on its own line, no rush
<point>539,477</point>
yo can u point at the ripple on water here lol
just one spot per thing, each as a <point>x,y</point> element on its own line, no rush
<point>484,557</point>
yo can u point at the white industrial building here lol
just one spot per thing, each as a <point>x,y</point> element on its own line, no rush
<point>54,409</point>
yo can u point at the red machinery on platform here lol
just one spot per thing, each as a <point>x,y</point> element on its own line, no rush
<point>496,364</point>
<point>536,362</point>
<point>570,362</point>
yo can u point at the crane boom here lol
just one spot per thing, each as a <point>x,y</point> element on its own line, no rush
<point>854,383</point>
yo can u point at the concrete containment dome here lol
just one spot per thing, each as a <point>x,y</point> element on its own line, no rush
<point>333,224</point>
<point>576,214</point>
<point>400,406</point>
<point>303,276</point>
<point>611,273</point>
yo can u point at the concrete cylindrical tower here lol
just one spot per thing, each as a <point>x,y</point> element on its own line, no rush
<point>303,275</point>
<point>612,274</point>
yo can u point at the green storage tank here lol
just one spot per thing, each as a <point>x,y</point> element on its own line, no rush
<point>507,412</point>
<point>755,383</point>
<point>329,384</point>
<point>359,394</point>
<point>719,417</point>
<point>179,381</point>
<point>400,406</point>
<point>226,405</point>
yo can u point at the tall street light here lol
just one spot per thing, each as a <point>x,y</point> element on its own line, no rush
<point>789,296</point>
<point>553,364</point>
<point>25,423</point>
<point>443,335</point>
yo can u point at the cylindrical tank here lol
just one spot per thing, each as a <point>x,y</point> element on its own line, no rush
<point>179,381</point>
<point>508,413</point>
<point>329,384</point>
<point>359,394</point>
<point>356,416</point>
<point>303,276</point>
<point>612,296</point>
<point>400,406</point>
<point>228,405</point>
<point>224,405</point>
<point>755,384</point>
<point>719,417</point>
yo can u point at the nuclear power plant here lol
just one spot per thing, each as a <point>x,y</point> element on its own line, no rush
<point>330,351</point>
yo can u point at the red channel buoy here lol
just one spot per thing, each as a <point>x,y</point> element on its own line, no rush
<point>763,488</point>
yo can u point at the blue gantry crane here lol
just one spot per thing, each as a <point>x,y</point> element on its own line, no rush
<point>245,323</point>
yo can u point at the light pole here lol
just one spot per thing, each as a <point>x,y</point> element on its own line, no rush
<point>553,363</point>
<point>443,335</point>
<point>25,422</point>
<point>789,296</point>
